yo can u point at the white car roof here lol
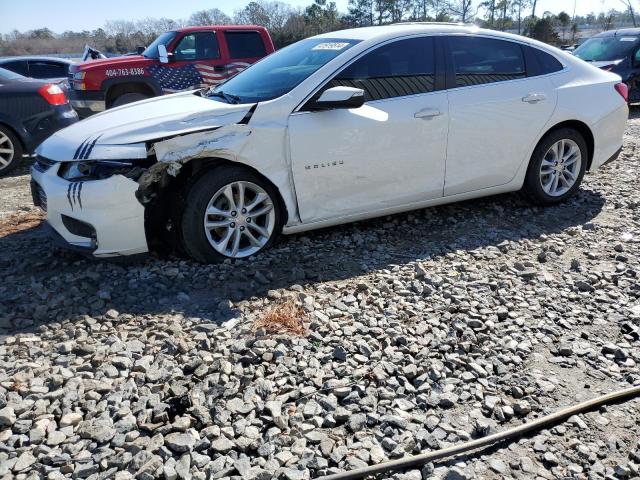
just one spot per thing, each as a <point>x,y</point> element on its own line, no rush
<point>387,32</point>
<point>409,28</point>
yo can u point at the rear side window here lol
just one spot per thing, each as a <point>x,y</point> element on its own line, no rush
<point>548,63</point>
<point>41,69</point>
<point>398,69</point>
<point>245,44</point>
<point>479,61</point>
<point>17,66</point>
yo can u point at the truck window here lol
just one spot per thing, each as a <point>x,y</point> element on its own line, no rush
<point>245,44</point>
<point>197,46</point>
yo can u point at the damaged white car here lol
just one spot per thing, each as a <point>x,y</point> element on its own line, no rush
<point>333,129</point>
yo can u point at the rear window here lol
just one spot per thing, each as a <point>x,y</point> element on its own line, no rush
<point>43,69</point>
<point>245,44</point>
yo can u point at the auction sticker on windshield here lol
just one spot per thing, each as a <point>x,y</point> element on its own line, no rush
<point>331,46</point>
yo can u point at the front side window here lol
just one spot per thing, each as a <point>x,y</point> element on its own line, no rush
<point>197,46</point>
<point>605,49</point>
<point>280,72</point>
<point>479,60</point>
<point>405,67</point>
<point>245,44</point>
<point>17,66</point>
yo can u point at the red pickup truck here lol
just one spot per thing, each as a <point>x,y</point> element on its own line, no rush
<point>181,59</point>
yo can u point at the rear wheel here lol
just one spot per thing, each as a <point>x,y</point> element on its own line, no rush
<point>128,98</point>
<point>557,167</point>
<point>10,151</point>
<point>230,213</point>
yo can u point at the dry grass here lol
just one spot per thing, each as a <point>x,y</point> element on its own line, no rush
<point>19,222</point>
<point>287,318</point>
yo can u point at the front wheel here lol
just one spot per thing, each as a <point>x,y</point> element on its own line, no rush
<point>557,167</point>
<point>229,213</point>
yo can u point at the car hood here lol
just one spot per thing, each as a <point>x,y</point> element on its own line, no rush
<point>123,132</point>
<point>120,62</point>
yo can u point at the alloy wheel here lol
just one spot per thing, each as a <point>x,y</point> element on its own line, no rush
<point>239,219</point>
<point>560,167</point>
<point>7,151</point>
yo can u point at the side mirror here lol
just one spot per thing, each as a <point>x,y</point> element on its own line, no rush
<point>163,56</point>
<point>140,50</point>
<point>340,97</point>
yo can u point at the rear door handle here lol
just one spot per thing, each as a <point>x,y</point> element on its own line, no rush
<point>428,113</point>
<point>219,68</point>
<point>534,98</point>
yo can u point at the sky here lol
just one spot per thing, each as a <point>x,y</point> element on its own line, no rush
<point>90,14</point>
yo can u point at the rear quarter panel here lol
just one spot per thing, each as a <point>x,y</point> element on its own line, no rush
<point>587,94</point>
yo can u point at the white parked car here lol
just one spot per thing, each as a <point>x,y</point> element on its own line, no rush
<point>336,128</point>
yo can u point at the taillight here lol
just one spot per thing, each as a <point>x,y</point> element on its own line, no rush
<point>53,94</point>
<point>623,90</point>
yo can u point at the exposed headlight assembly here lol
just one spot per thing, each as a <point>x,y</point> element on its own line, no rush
<point>98,170</point>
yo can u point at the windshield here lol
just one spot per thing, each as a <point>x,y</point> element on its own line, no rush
<point>604,49</point>
<point>9,75</point>
<point>165,39</point>
<point>282,71</point>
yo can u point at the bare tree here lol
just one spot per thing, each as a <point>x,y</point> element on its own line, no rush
<point>629,5</point>
<point>461,9</point>
<point>213,16</point>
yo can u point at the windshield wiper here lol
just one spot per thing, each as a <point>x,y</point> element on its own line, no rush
<point>233,99</point>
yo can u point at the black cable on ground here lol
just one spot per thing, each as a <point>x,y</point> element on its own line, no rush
<point>511,434</point>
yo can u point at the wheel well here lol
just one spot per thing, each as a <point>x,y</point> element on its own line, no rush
<point>17,135</point>
<point>584,130</point>
<point>120,89</point>
<point>168,201</point>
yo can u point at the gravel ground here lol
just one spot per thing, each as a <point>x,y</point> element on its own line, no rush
<point>422,330</point>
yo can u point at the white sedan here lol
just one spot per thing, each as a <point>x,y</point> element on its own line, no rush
<point>336,128</point>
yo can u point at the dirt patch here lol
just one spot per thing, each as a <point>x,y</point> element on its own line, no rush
<point>287,318</point>
<point>19,222</point>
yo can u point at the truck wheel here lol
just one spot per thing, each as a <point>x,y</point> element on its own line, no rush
<point>230,212</point>
<point>10,151</point>
<point>128,98</point>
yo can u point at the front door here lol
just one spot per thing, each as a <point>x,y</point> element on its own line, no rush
<point>388,153</point>
<point>496,111</point>
<point>196,61</point>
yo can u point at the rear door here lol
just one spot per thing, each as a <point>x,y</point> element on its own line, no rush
<point>196,62</point>
<point>243,47</point>
<point>496,112</point>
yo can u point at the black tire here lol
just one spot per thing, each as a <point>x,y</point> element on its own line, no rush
<point>10,142</point>
<point>532,188</point>
<point>198,195</point>
<point>128,98</point>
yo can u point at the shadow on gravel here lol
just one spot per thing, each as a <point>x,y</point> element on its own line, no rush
<point>44,285</point>
<point>634,112</point>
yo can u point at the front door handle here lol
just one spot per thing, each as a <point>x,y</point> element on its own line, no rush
<point>428,113</point>
<point>534,98</point>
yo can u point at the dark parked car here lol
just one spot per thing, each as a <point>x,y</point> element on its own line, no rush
<point>616,51</point>
<point>30,111</point>
<point>43,68</point>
